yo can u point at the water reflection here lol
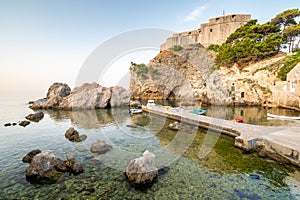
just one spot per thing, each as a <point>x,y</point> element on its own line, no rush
<point>91,119</point>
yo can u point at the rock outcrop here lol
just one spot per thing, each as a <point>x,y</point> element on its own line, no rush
<point>45,167</point>
<point>73,135</point>
<point>142,171</point>
<point>100,147</point>
<point>190,73</point>
<point>36,117</point>
<point>87,96</point>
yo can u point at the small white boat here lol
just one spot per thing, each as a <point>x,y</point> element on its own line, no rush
<point>282,117</point>
<point>135,111</point>
<point>150,103</point>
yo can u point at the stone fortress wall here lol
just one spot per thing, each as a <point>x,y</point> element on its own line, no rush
<point>215,31</point>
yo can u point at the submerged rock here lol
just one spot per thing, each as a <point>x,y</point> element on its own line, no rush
<point>36,117</point>
<point>73,135</point>
<point>142,170</point>
<point>24,123</point>
<point>100,147</point>
<point>175,126</point>
<point>45,167</point>
<point>30,155</point>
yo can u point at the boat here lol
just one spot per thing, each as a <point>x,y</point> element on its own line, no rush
<point>282,117</point>
<point>177,108</point>
<point>197,112</point>
<point>239,120</point>
<point>135,111</point>
<point>150,103</point>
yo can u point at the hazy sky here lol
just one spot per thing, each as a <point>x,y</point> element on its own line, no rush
<point>42,41</point>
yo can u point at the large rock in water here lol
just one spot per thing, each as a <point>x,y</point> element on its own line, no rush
<point>36,117</point>
<point>45,167</point>
<point>142,170</point>
<point>87,96</point>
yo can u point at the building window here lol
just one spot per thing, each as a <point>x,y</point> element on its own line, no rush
<point>293,86</point>
<point>211,30</point>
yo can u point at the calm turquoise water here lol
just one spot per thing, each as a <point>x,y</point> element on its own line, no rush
<point>224,173</point>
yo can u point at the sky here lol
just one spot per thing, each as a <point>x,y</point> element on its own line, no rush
<point>42,42</point>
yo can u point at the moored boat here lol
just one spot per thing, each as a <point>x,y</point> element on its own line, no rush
<point>282,117</point>
<point>198,112</point>
<point>135,111</point>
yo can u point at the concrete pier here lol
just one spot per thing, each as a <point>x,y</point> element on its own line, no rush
<point>280,143</point>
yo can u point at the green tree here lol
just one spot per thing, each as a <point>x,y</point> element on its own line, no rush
<point>292,33</point>
<point>251,42</point>
<point>285,19</point>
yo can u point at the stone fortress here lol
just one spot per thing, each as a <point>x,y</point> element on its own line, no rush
<point>215,31</point>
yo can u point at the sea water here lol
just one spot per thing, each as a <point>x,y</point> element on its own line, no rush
<point>198,164</point>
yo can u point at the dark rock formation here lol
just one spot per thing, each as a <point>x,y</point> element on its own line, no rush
<point>100,147</point>
<point>30,155</point>
<point>24,123</point>
<point>73,135</point>
<point>142,170</point>
<point>36,117</point>
<point>7,124</point>
<point>45,167</point>
<point>87,96</point>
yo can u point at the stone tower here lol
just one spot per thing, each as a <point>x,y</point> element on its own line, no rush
<point>215,31</point>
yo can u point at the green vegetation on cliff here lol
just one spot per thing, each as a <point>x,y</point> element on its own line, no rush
<point>289,63</point>
<point>254,42</point>
<point>143,71</point>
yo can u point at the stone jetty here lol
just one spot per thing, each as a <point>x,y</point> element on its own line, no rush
<point>279,143</point>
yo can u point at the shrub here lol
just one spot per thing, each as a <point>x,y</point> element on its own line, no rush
<point>214,47</point>
<point>177,48</point>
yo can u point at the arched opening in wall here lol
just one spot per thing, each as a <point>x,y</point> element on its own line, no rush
<point>233,16</point>
<point>210,30</point>
<point>171,96</point>
<point>242,95</point>
<point>190,33</point>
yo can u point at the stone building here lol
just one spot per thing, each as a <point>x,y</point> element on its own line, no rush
<point>215,31</point>
<point>293,80</point>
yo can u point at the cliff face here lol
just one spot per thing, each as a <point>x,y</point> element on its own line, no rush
<point>191,74</point>
<point>172,75</point>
